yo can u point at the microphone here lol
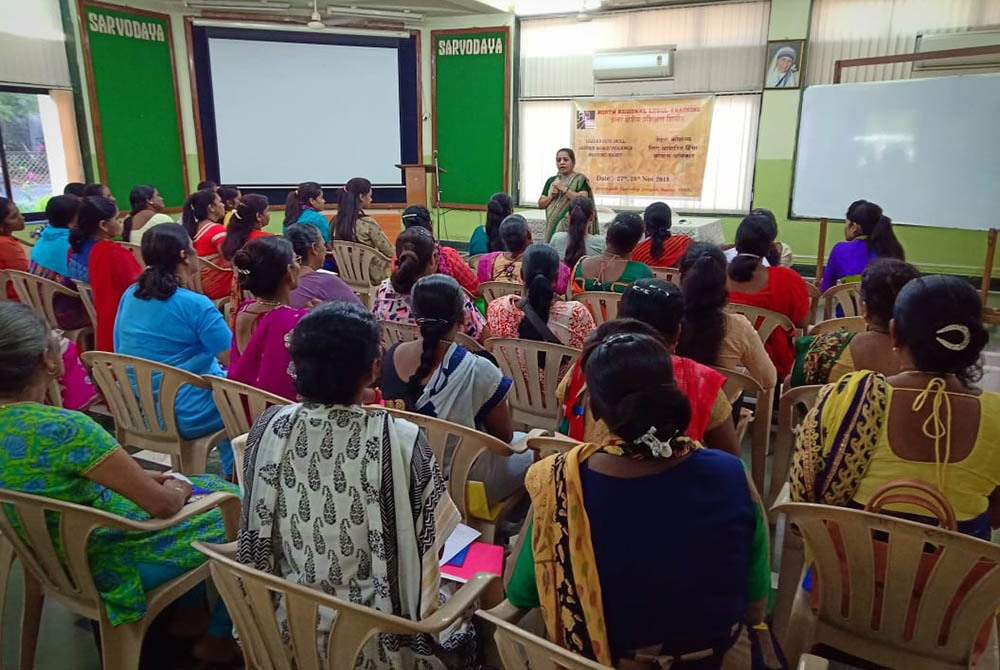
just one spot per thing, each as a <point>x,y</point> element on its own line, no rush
<point>435,153</point>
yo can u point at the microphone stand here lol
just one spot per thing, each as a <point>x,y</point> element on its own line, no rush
<point>437,189</point>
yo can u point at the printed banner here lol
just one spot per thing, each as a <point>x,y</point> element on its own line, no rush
<point>643,147</point>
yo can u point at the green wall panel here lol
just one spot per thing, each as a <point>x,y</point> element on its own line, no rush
<point>470,72</point>
<point>132,78</point>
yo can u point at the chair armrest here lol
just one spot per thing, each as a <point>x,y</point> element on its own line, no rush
<point>521,445</point>
<point>508,611</point>
<point>463,600</point>
<point>228,503</point>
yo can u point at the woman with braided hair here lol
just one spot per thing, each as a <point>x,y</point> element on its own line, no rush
<point>416,258</point>
<point>486,238</point>
<point>436,376</point>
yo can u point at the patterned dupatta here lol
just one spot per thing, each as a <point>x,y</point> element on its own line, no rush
<point>565,568</point>
<point>816,355</point>
<point>838,438</point>
<point>557,210</point>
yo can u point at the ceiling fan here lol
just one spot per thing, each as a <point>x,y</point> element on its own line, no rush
<point>316,21</point>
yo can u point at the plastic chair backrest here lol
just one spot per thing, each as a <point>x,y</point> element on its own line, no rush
<point>521,650</point>
<point>354,262</point>
<point>670,274</point>
<point>603,305</point>
<point>240,404</point>
<point>851,324</point>
<point>456,448</point>
<point>86,292</point>
<point>790,416</point>
<point>739,383</point>
<point>533,396</point>
<point>393,332</point>
<point>914,492</point>
<point>137,392</point>
<point>492,290</point>
<point>814,299</point>
<point>922,609</point>
<point>473,261</point>
<point>764,321</point>
<point>845,296</point>
<point>38,293</point>
<point>250,596</point>
<point>136,251</point>
<point>545,446</point>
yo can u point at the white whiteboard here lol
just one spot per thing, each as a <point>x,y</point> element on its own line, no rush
<point>926,150</point>
<point>288,112</point>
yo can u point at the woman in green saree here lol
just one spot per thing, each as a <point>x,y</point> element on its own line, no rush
<point>559,191</point>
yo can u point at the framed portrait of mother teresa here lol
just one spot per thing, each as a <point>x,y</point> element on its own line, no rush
<point>785,64</point>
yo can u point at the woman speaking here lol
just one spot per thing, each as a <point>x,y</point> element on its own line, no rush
<point>560,190</point>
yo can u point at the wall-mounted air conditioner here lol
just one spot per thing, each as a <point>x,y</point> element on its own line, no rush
<point>634,63</point>
<point>964,40</point>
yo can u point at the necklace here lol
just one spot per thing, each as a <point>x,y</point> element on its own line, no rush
<point>269,303</point>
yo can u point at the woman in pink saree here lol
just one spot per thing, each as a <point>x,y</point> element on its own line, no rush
<point>269,269</point>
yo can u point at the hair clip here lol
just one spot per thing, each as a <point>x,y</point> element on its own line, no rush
<point>954,328</point>
<point>618,338</point>
<point>656,447</point>
<point>421,321</point>
<point>653,290</point>
<point>236,213</point>
<point>243,272</point>
<point>296,191</point>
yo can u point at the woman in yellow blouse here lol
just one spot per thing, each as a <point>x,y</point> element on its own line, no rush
<point>928,422</point>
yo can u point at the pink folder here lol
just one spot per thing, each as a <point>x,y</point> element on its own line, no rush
<point>482,557</point>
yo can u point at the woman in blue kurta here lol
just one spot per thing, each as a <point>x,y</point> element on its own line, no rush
<point>160,321</point>
<point>868,235</point>
<point>63,454</point>
<point>305,205</point>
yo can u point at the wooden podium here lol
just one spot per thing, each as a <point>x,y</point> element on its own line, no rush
<point>416,181</point>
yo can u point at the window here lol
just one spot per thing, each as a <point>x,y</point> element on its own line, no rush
<point>33,156</point>
<point>545,126</point>
<point>720,50</point>
<point>889,27</point>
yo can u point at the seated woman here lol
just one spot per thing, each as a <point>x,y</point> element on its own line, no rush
<point>775,288</point>
<point>202,212</point>
<point>487,238</point>
<point>12,256</point>
<point>372,540</point>
<point>416,258</point>
<point>539,316</point>
<point>246,223</point>
<point>710,334</point>
<point>147,211</point>
<point>268,269</point>
<point>825,358</point>
<point>66,455</point>
<point>779,253</point>
<point>49,258</point>
<point>506,265</point>
<point>928,422</point>
<point>161,321</point>
<point>449,261</point>
<point>353,225</point>
<point>660,248</point>
<point>613,270</point>
<point>231,197</point>
<point>575,243</point>
<point>436,376</point>
<point>868,234</point>
<point>111,268</point>
<point>654,306</point>
<point>609,582</point>
<point>305,205</point>
<point>315,283</point>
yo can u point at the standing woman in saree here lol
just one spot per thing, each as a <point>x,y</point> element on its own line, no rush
<point>559,192</point>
